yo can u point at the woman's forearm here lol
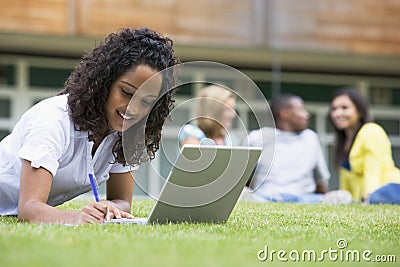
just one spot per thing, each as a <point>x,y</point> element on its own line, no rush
<point>35,211</point>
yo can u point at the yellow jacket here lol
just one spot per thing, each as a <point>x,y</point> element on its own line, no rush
<point>371,163</point>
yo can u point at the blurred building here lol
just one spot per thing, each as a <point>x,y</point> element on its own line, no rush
<point>308,47</point>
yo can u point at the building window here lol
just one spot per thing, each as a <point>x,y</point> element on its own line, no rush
<point>5,107</point>
<point>50,78</point>
<point>392,127</point>
<point>7,74</point>
<point>3,133</point>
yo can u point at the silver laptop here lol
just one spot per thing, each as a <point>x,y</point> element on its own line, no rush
<point>203,185</point>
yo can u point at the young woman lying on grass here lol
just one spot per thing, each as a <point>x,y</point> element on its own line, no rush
<point>48,157</point>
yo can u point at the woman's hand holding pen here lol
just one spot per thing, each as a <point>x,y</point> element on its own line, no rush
<point>99,212</point>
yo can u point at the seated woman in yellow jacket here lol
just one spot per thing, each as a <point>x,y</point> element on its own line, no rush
<point>363,151</point>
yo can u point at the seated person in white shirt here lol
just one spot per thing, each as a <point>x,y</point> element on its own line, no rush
<point>298,172</point>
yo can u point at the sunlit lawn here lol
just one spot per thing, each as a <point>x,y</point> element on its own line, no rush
<point>255,235</point>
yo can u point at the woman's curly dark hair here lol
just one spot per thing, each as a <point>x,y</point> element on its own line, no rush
<point>89,85</point>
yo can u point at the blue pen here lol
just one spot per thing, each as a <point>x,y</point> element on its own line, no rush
<point>94,187</point>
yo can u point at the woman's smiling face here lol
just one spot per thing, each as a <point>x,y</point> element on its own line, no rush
<point>344,113</point>
<point>126,104</point>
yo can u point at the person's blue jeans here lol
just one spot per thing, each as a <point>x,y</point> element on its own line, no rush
<point>310,198</point>
<point>387,194</point>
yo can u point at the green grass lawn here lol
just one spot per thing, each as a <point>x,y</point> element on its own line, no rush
<point>293,229</point>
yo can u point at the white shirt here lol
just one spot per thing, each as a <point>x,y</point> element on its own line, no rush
<point>46,137</point>
<point>291,163</point>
